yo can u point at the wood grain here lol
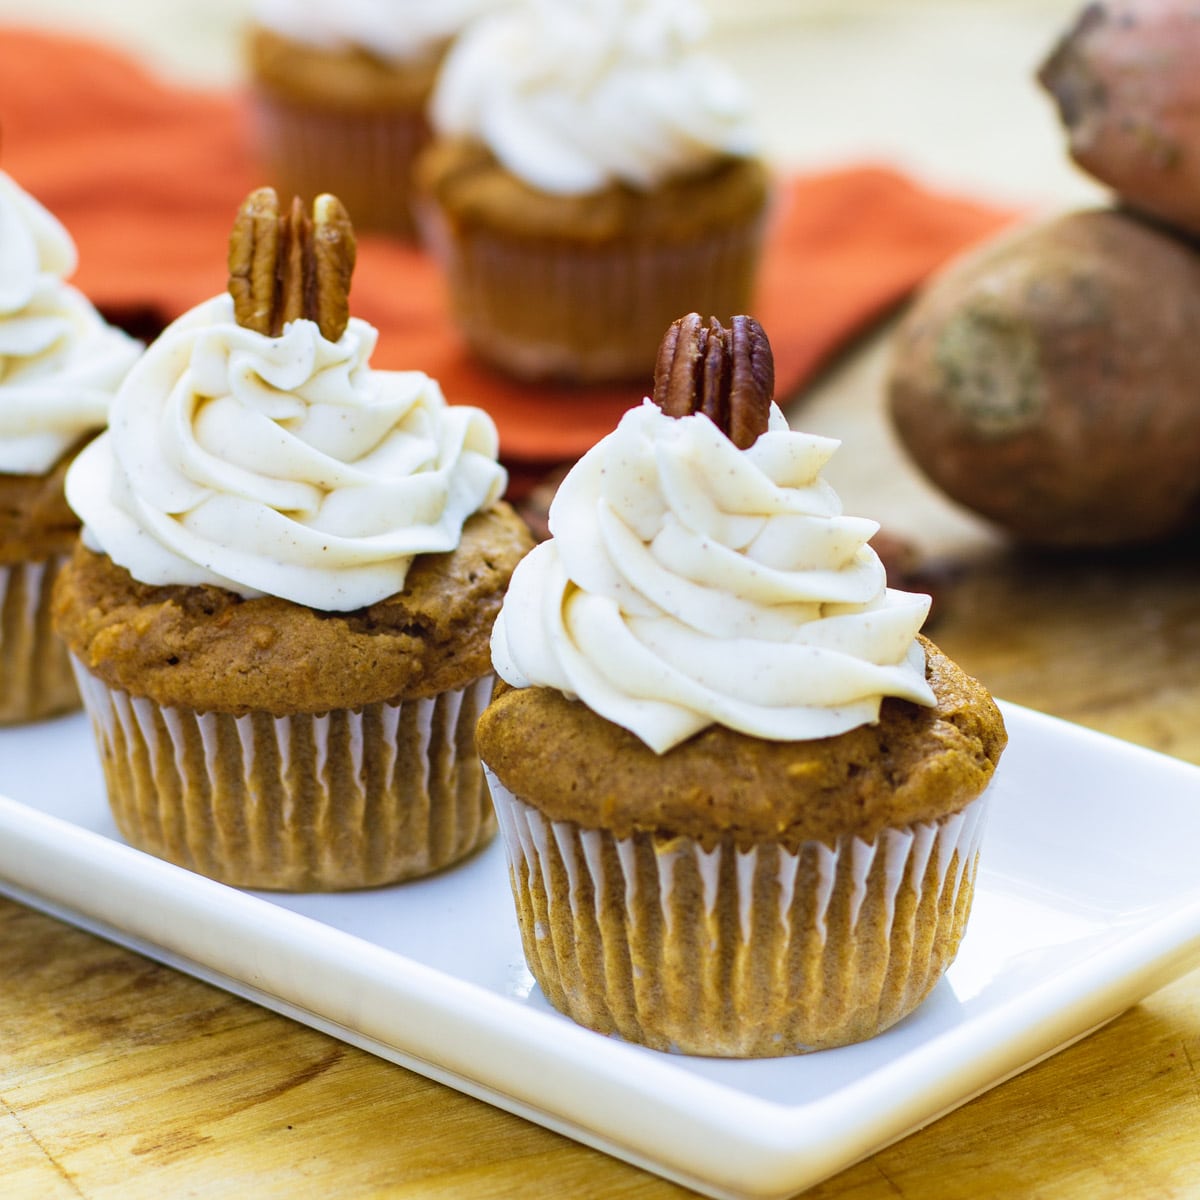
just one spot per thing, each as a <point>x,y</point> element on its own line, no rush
<point>122,1078</point>
<point>1112,642</point>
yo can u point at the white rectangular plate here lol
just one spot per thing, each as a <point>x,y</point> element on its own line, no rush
<point>1087,900</point>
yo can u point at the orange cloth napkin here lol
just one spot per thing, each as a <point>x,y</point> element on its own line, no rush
<point>147,177</point>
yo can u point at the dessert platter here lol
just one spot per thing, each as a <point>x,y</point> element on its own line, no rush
<point>1078,914</point>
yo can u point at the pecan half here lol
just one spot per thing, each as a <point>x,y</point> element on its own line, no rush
<point>726,374</point>
<point>287,265</point>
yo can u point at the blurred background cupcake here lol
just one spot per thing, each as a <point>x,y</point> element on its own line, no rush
<point>60,363</point>
<point>593,174</point>
<point>340,91</point>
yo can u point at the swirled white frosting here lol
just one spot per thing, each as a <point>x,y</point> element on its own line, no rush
<point>396,30</point>
<point>572,95</point>
<point>689,583</point>
<point>282,466</point>
<point>60,361</point>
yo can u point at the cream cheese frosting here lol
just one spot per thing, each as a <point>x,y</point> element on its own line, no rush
<point>396,30</point>
<point>285,466</point>
<point>573,95</point>
<point>60,361</point>
<point>688,582</point>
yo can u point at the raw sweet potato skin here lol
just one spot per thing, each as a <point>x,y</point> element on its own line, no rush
<point>1127,81</point>
<point>1050,381</point>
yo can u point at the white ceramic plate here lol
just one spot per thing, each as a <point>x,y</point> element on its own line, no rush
<point>1087,900</point>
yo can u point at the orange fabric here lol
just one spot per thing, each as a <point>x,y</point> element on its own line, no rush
<point>147,177</point>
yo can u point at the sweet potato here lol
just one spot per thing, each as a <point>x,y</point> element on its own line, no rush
<point>1127,81</point>
<point>1050,381</point>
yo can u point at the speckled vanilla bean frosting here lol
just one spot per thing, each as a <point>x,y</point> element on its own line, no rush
<point>572,95</point>
<point>282,466</point>
<point>60,362</point>
<point>688,583</point>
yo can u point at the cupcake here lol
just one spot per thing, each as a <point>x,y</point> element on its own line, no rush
<point>339,95</point>
<point>592,175</point>
<point>60,363</point>
<point>741,796</point>
<point>290,564</point>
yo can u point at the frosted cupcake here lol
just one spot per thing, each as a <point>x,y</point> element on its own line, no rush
<point>593,174</point>
<point>290,565</point>
<point>340,92</point>
<point>742,798</point>
<point>60,363</point>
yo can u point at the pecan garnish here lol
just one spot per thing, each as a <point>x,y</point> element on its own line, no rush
<point>726,374</point>
<point>287,265</point>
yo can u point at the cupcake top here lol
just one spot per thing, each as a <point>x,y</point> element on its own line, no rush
<point>392,30</point>
<point>572,96</point>
<point>253,447</point>
<point>60,362</point>
<point>697,576</point>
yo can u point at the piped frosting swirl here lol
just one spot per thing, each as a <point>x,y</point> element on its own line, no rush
<point>60,361</point>
<point>688,582</point>
<point>574,95</point>
<point>280,465</point>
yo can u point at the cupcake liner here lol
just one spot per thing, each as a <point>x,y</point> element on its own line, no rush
<point>364,158</point>
<point>35,669</point>
<point>738,953</point>
<point>346,799</point>
<point>555,309</point>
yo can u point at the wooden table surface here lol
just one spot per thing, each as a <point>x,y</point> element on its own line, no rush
<point>122,1078</point>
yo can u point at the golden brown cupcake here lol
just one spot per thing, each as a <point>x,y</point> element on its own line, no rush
<point>59,367</point>
<point>290,563</point>
<point>340,92</point>
<point>742,797</point>
<point>592,175</point>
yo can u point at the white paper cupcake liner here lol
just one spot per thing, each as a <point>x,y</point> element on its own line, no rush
<point>351,798</point>
<point>738,953</point>
<point>549,309</point>
<point>35,668</point>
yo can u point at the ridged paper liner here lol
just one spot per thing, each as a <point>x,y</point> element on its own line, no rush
<point>365,159</point>
<point>738,953</point>
<point>548,308</point>
<point>352,798</point>
<point>35,668</point>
